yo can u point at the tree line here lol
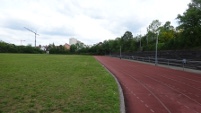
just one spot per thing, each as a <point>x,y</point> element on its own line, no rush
<point>12,48</point>
<point>51,48</point>
<point>187,35</point>
<point>57,49</point>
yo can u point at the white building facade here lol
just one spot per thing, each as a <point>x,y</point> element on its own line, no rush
<point>73,41</point>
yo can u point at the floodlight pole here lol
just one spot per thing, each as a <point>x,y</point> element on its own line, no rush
<point>140,42</point>
<point>120,51</point>
<point>35,39</point>
<point>156,54</point>
<point>32,32</point>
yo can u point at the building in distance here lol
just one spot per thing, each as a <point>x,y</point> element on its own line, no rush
<point>77,43</point>
<point>67,46</point>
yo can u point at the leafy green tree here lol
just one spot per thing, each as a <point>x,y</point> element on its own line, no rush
<point>167,32</point>
<point>11,48</point>
<point>197,4</point>
<point>152,30</point>
<point>126,41</point>
<point>73,48</point>
<point>149,40</point>
<point>116,45</point>
<point>190,25</point>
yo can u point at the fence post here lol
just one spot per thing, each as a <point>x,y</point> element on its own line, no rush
<point>168,62</point>
<point>184,62</point>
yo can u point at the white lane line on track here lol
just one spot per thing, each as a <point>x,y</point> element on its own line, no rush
<point>197,95</point>
<point>142,101</point>
<point>152,110</point>
<point>196,111</point>
<point>186,106</point>
<point>146,105</point>
<point>178,102</point>
<point>150,92</point>
<point>172,99</point>
<point>181,82</point>
<point>134,94</point>
<point>175,90</point>
<point>179,95</point>
<point>189,79</point>
<point>138,98</point>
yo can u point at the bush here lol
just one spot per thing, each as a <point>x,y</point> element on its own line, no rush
<point>11,48</point>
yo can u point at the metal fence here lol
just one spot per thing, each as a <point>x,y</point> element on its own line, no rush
<point>184,63</point>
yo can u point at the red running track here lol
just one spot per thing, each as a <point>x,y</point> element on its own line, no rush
<point>153,89</point>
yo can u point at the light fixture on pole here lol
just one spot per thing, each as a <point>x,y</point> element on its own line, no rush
<point>21,41</point>
<point>32,32</point>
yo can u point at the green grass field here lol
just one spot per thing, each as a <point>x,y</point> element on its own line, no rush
<point>31,83</point>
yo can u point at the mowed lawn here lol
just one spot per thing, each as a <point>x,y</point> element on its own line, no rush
<point>34,83</point>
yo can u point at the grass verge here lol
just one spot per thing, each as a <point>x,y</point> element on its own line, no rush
<point>55,83</point>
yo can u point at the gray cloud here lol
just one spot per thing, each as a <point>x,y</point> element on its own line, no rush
<point>17,24</point>
<point>90,21</point>
<point>62,31</point>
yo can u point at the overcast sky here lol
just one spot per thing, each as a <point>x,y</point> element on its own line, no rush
<point>90,21</point>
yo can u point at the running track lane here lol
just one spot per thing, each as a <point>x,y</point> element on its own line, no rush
<point>153,89</point>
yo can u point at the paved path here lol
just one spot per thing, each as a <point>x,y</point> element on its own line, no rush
<point>153,89</point>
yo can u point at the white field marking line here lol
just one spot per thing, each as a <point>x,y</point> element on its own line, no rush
<point>152,110</point>
<point>134,94</point>
<point>196,111</point>
<point>181,82</point>
<point>197,95</point>
<point>189,79</point>
<point>183,77</point>
<point>178,102</point>
<point>179,95</point>
<point>130,92</point>
<point>138,98</point>
<point>151,93</point>
<point>175,90</point>
<point>146,105</point>
<point>172,99</point>
<point>186,106</point>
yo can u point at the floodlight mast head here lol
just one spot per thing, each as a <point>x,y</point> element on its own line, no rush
<point>21,41</point>
<point>32,32</point>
